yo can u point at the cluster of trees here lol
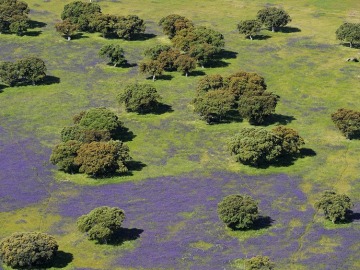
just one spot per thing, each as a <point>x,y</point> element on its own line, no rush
<point>28,249</point>
<point>271,17</point>
<point>92,145</point>
<point>348,122</point>
<point>29,70</point>
<point>258,146</point>
<point>140,98</point>
<point>241,94</point>
<point>14,17</point>
<point>87,17</point>
<point>349,32</point>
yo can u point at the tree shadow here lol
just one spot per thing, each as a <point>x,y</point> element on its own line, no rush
<point>166,77</point>
<point>48,80</point>
<point>2,87</point>
<point>196,73</point>
<point>218,64</point>
<point>129,65</point>
<point>262,222</point>
<point>124,135</point>
<point>161,109</point>
<point>307,152</point>
<point>352,217</point>
<point>77,36</point>
<point>289,29</point>
<point>62,259</point>
<point>354,45</point>
<point>124,234</point>
<point>32,33</point>
<point>142,37</point>
<point>225,54</point>
<point>134,165</point>
<point>278,119</point>
<point>261,37</point>
<point>35,24</point>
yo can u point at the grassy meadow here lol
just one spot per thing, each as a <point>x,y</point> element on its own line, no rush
<point>170,200</point>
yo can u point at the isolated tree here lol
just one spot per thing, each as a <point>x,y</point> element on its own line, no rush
<point>259,263</point>
<point>249,28</point>
<point>255,146</point>
<point>349,32</point>
<point>185,64</point>
<point>115,53</point>
<point>129,26</point>
<point>153,67</point>
<point>80,13</point>
<point>213,106</point>
<point>28,249</point>
<point>173,23</point>
<point>102,158</point>
<point>291,140</point>
<point>102,119</point>
<point>256,108</point>
<point>238,211</point>
<point>348,122</point>
<point>66,28</point>
<point>101,223</point>
<point>141,98</point>
<point>32,69</point>
<point>273,17</point>
<point>154,52</point>
<point>63,156</point>
<point>9,73</point>
<point>335,206</point>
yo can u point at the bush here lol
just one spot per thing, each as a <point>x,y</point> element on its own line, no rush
<point>84,135</point>
<point>101,223</point>
<point>28,249</point>
<point>291,140</point>
<point>102,158</point>
<point>63,156</point>
<point>335,206</point>
<point>259,262</point>
<point>238,211</point>
<point>348,122</point>
<point>141,98</point>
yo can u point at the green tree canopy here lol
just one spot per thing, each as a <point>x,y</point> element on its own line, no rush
<point>14,16</point>
<point>273,17</point>
<point>129,26</point>
<point>141,98</point>
<point>63,155</point>
<point>185,64</point>
<point>348,122</point>
<point>154,52</point>
<point>102,158</point>
<point>28,249</point>
<point>67,28</point>
<point>153,67</point>
<point>291,140</point>
<point>259,263</point>
<point>9,73</point>
<point>335,206</point>
<point>173,23</point>
<point>209,82</point>
<point>238,211</point>
<point>249,28</point>
<point>115,53</point>
<point>101,223</point>
<point>349,32</point>
<point>84,135</point>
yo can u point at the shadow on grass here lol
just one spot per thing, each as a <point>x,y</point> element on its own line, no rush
<point>61,260</point>
<point>307,152</point>
<point>225,54</point>
<point>124,135</point>
<point>354,45</point>
<point>2,87</point>
<point>77,36</point>
<point>32,33</point>
<point>218,64</point>
<point>48,80</point>
<point>126,65</point>
<point>145,36</point>
<point>196,73</point>
<point>353,217</point>
<point>278,119</point>
<point>261,37</point>
<point>124,234</point>
<point>35,24</point>
<point>162,108</point>
<point>262,222</point>
<point>166,77</point>
<point>134,165</point>
<point>289,29</point>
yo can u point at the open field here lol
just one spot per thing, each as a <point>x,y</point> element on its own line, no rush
<point>170,201</point>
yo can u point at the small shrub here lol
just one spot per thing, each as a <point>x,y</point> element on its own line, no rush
<point>348,122</point>
<point>259,262</point>
<point>63,156</point>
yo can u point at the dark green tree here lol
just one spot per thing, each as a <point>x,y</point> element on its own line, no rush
<point>259,263</point>
<point>291,140</point>
<point>213,106</point>
<point>245,83</point>
<point>9,73</point>
<point>185,64</point>
<point>101,223</point>
<point>203,53</point>
<point>349,32</point>
<point>154,52</point>
<point>256,108</point>
<point>115,53</point>
<point>335,206</point>
<point>249,28</point>
<point>104,24</point>
<point>19,25</point>
<point>102,158</point>
<point>168,58</point>
<point>173,23</point>
<point>63,156</point>
<point>209,82</point>
<point>28,249</point>
<point>141,98</point>
<point>348,122</point>
<point>255,146</point>
<point>273,17</point>
<point>66,28</point>
<point>129,26</point>
<point>32,69</point>
<point>152,67</point>
<point>14,16</point>
<point>84,135</point>
<point>238,211</point>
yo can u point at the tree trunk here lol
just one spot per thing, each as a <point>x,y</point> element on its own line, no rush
<point>115,65</point>
<point>153,77</point>
<point>186,74</point>
<point>350,44</point>
<point>68,38</point>
<point>250,37</point>
<point>272,29</point>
